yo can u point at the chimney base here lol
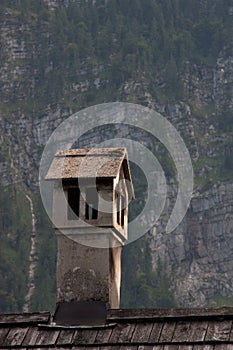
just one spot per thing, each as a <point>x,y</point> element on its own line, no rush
<point>87,273</point>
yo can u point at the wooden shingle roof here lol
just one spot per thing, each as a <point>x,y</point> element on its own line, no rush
<point>85,162</point>
<point>151,329</point>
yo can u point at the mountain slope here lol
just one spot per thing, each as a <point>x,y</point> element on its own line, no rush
<point>175,56</point>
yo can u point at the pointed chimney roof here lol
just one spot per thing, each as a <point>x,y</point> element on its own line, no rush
<point>91,163</point>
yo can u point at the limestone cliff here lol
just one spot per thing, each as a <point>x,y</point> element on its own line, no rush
<point>51,67</point>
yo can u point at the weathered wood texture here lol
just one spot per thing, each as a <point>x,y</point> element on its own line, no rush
<point>95,162</point>
<point>142,332</point>
<point>170,313</point>
<point>36,318</point>
<point>219,330</point>
<point>197,331</point>
<point>128,333</point>
<point>155,332</point>
<point>15,336</point>
<point>167,332</point>
<point>65,337</point>
<point>122,333</point>
<point>181,331</point>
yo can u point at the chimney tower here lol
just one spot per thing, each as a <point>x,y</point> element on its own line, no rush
<point>92,189</point>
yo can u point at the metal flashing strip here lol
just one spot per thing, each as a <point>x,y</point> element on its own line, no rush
<point>55,326</point>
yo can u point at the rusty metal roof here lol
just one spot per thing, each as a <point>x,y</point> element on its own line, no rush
<point>90,163</point>
<point>151,329</point>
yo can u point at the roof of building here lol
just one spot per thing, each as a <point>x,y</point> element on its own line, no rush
<point>150,329</point>
<point>90,163</point>
<point>87,162</point>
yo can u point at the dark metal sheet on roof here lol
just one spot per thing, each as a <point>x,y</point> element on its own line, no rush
<point>81,313</point>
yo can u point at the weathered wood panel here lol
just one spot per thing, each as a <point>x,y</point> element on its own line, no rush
<point>157,347</point>
<point>231,334</point>
<point>115,347</point>
<point>155,333</point>
<point>197,331</point>
<point>65,336</point>
<point>122,333</point>
<point>3,333</point>
<point>142,332</point>
<point>223,347</point>
<point>65,347</point>
<point>85,336</point>
<point>47,337</point>
<point>76,347</point>
<point>171,347</point>
<point>103,336</point>
<point>181,331</point>
<point>167,332</point>
<point>146,347</point>
<point>31,336</point>
<point>203,347</point>
<point>218,330</point>
<point>15,336</point>
<point>129,347</point>
<point>42,317</point>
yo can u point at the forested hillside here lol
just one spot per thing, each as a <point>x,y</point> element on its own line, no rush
<point>174,56</point>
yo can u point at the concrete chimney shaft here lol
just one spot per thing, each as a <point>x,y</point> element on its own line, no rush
<point>87,273</point>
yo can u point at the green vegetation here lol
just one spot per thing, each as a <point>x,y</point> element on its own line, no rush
<point>87,53</point>
<point>118,41</point>
<point>210,170</point>
<point>219,301</point>
<point>15,236</point>
<point>45,274</point>
<point>142,286</point>
<point>15,245</point>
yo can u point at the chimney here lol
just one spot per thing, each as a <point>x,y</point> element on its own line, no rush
<point>92,188</point>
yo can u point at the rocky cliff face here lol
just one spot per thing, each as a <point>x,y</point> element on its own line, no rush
<point>198,254</point>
